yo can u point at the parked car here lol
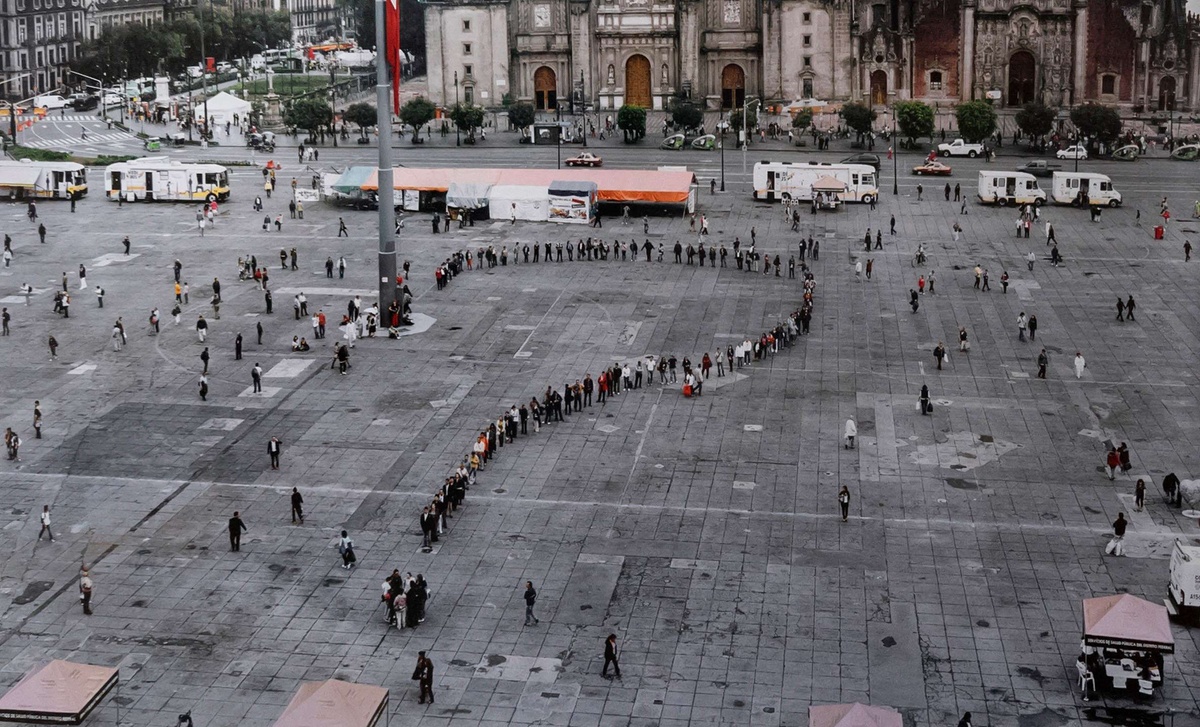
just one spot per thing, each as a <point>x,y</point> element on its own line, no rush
<point>1039,168</point>
<point>586,159</point>
<point>86,103</point>
<point>113,99</point>
<point>863,158</point>
<point>1076,151</point>
<point>958,147</point>
<point>932,169</point>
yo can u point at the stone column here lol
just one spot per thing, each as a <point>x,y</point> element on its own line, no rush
<point>966,81</point>
<point>1079,57</point>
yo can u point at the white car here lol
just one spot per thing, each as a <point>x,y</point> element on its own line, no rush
<point>1072,152</point>
<point>112,99</point>
<point>52,101</point>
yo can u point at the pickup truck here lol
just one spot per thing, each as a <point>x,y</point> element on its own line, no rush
<point>1040,168</point>
<point>958,148</point>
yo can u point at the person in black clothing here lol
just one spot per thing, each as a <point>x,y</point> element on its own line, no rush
<point>610,656</point>
<point>924,399</point>
<point>297,505</point>
<point>236,528</point>
<point>530,599</point>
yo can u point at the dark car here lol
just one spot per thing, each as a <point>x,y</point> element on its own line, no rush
<point>85,104</point>
<point>864,158</point>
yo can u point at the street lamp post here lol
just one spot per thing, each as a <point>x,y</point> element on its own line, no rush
<point>583,107</point>
<point>895,151</point>
<point>557,132</point>
<point>721,126</point>
<point>457,135</point>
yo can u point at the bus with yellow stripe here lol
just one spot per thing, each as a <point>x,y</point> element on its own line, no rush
<point>158,179</point>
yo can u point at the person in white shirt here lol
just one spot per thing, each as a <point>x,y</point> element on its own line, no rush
<point>46,523</point>
<point>1080,365</point>
<point>851,433</point>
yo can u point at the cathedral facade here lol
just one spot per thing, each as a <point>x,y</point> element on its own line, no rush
<point>1141,55</point>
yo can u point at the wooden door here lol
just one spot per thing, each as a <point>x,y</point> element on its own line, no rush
<point>637,81</point>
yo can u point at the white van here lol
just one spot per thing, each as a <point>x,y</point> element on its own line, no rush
<point>51,101</point>
<point>1084,189</point>
<point>1184,585</point>
<point>1005,188</point>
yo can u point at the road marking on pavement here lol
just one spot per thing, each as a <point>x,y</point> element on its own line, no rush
<point>288,369</point>
<point>267,392</point>
<point>110,258</point>
<point>86,368</point>
<point>347,292</point>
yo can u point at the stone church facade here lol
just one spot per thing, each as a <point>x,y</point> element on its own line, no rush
<point>1137,54</point>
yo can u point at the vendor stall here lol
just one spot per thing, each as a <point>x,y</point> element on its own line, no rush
<point>335,703</point>
<point>827,192</point>
<point>853,715</point>
<point>1124,641</point>
<point>62,692</point>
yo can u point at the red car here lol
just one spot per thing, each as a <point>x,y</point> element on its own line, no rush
<point>932,169</point>
<point>586,159</point>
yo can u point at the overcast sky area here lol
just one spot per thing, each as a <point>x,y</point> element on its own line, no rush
<point>1194,6</point>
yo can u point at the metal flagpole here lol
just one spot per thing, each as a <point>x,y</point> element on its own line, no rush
<point>383,119</point>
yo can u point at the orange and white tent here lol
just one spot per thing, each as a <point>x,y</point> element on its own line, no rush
<point>335,703</point>
<point>61,692</point>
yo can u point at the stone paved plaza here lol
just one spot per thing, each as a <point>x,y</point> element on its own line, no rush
<point>704,532</point>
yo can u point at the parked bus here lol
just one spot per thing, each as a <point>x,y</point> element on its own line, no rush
<point>27,179</point>
<point>1084,189</point>
<point>161,179</point>
<point>794,180</point>
<point>1005,188</point>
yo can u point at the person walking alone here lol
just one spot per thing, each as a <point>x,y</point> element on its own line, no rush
<point>844,502</point>
<point>611,657</point>
<point>236,528</point>
<point>530,599</point>
<point>346,550</point>
<point>273,449</point>
<point>297,505</point>
<point>1080,365</point>
<point>45,518</point>
<point>86,587</point>
<point>1116,546</point>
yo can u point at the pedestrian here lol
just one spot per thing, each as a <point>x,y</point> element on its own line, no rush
<point>203,359</point>
<point>1129,306</point>
<point>1042,361</point>
<point>965,721</point>
<point>1120,309</point>
<point>346,550</point>
<point>256,380</point>
<point>850,433</point>
<point>203,387</point>
<point>530,599</point>
<point>1116,546</point>
<point>1113,461</point>
<point>83,278</point>
<point>126,243</point>
<point>86,588</point>
<point>341,267</point>
<point>258,327</point>
<point>236,528</point>
<point>5,319</point>
<point>1080,365</point>
<point>53,348</point>
<point>342,231</point>
<point>923,402</point>
<point>37,420</point>
<point>274,447</point>
<point>939,354</point>
<point>611,657</point>
<point>893,227</point>
<point>1033,325</point>
<point>237,347</point>
<point>100,296</point>
<point>1139,497</point>
<point>1123,455</point>
<point>45,518</point>
<point>1030,260</point>
<point>42,233</point>
<point>423,675</point>
<point>844,502</point>
<point>1022,322</point>
<point>201,328</point>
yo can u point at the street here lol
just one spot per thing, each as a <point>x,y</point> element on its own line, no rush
<point>704,532</point>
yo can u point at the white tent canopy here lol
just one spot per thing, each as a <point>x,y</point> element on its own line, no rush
<point>527,202</point>
<point>221,108</point>
<point>468,195</point>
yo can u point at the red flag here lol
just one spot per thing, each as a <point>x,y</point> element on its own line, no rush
<point>392,36</point>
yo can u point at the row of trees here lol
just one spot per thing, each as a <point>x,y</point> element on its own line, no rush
<point>135,50</point>
<point>977,120</point>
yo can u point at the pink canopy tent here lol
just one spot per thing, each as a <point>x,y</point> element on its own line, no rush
<point>335,703</point>
<point>853,715</point>
<point>613,185</point>
<point>828,184</point>
<point>61,692</point>
<point>1128,622</point>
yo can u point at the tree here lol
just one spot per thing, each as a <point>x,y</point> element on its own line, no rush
<point>1097,122</point>
<point>859,117</point>
<point>915,120</point>
<point>976,120</point>
<point>522,115</point>
<point>1035,119</point>
<point>631,120</point>
<point>685,115</point>
<point>311,114</point>
<point>467,118</point>
<point>750,114</point>
<point>361,114</point>
<point>802,120</point>
<point>416,113</point>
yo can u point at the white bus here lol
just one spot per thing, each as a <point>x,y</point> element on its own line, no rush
<point>1005,188</point>
<point>28,179</point>
<point>162,179</point>
<point>1084,189</point>
<point>794,180</point>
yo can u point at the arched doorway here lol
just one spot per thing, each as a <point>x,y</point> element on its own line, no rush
<point>1166,93</point>
<point>879,88</point>
<point>545,89</point>
<point>637,81</point>
<point>733,86</point>
<point>1022,78</point>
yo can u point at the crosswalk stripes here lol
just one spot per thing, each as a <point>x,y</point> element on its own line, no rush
<point>72,117</point>
<point>92,138</point>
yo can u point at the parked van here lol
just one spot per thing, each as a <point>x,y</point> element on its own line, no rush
<point>1005,188</point>
<point>1083,189</point>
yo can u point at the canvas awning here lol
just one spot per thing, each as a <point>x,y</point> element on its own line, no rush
<point>334,703</point>
<point>571,188</point>
<point>853,715</point>
<point>526,203</point>
<point>1128,622</point>
<point>352,180</point>
<point>17,176</point>
<point>612,185</point>
<point>62,692</point>
<point>468,195</point>
<point>828,184</point>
